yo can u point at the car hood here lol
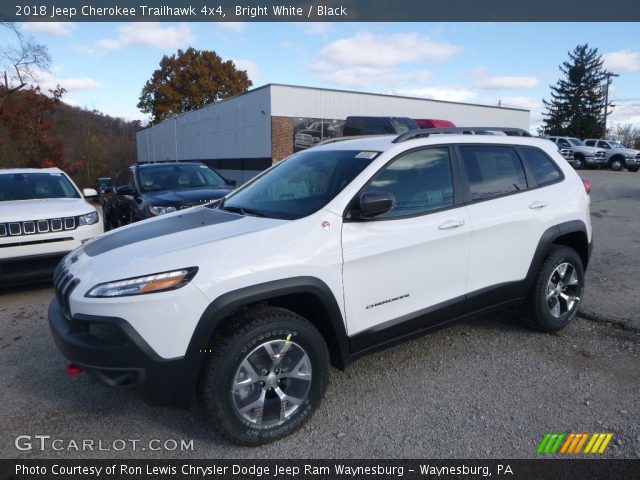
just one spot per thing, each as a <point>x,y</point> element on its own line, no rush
<point>186,196</point>
<point>40,209</point>
<point>626,151</point>
<point>314,133</point>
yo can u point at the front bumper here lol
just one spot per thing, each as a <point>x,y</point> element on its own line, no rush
<point>27,269</point>
<point>109,349</point>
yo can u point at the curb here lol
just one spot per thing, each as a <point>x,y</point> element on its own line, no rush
<point>624,323</point>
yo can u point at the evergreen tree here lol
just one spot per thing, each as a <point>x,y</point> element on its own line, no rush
<point>577,101</point>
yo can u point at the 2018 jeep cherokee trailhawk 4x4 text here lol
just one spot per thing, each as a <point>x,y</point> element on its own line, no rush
<point>330,254</point>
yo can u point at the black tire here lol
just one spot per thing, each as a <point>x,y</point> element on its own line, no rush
<point>633,169</point>
<point>243,339</point>
<point>536,312</point>
<point>616,164</point>
<point>578,163</point>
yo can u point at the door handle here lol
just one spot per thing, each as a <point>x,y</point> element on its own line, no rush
<point>449,224</point>
<point>537,205</point>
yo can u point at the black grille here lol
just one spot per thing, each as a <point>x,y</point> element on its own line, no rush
<point>64,284</point>
<point>33,227</point>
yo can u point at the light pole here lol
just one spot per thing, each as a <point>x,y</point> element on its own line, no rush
<point>606,100</point>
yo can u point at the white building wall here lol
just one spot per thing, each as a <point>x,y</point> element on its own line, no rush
<point>292,101</point>
<point>238,127</point>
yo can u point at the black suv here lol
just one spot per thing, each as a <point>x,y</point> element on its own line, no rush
<point>355,126</point>
<point>148,190</point>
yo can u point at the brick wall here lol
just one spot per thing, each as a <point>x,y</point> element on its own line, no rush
<point>281,138</point>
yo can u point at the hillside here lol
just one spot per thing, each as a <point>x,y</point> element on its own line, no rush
<point>42,131</point>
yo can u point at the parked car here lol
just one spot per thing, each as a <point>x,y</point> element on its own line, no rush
<point>43,216</point>
<point>102,184</point>
<point>583,155</point>
<point>314,133</point>
<point>148,190</point>
<point>337,251</point>
<point>433,123</point>
<point>355,126</point>
<point>618,156</point>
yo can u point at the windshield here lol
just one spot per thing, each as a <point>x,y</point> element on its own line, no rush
<point>29,186</point>
<point>576,142</point>
<point>104,182</point>
<point>175,177</point>
<point>617,145</point>
<point>299,185</point>
<point>403,125</point>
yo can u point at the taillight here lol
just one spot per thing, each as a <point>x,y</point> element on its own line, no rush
<point>587,185</point>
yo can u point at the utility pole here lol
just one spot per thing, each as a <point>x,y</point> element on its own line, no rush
<point>606,100</point>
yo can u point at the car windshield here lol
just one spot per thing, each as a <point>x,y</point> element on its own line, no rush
<point>577,142</point>
<point>30,186</point>
<point>104,182</point>
<point>617,145</point>
<point>299,185</point>
<point>175,177</point>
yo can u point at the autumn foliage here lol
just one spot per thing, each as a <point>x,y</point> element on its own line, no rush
<point>189,80</point>
<point>38,130</point>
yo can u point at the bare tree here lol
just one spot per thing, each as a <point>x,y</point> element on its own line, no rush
<point>21,60</point>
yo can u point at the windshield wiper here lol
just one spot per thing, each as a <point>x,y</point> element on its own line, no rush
<point>244,211</point>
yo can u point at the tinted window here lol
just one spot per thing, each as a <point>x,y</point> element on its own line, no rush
<point>421,182</point>
<point>493,171</point>
<point>174,177</point>
<point>27,186</point>
<point>590,143</point>
<point>299,185</point>
<point>602,144</point>
<point>544,169</point>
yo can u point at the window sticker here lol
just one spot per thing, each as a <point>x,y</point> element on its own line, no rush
<point>368,155</point>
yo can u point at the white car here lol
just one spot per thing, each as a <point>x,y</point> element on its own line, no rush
<point>43,216</point>
<point>335,252</point>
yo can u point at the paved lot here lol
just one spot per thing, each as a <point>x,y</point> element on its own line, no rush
<point>487,387</point>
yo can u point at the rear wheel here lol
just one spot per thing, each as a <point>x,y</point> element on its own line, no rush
<point>556,294</point>
<point>633,169</point>
<point>265,377</point>
<point>616,164</point>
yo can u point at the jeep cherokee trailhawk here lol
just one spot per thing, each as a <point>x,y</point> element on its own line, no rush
<point>335,252</point>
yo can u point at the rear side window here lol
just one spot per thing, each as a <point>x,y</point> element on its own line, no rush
<point>492,171</point>
<point>544,169</point>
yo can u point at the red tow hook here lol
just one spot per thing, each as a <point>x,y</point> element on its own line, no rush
<point>73,369</point>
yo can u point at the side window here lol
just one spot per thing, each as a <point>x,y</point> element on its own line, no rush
<point>544,169</point>
<point>602,144</point>
<point>121,179</point>
<point>421,182</point>
<point>130,181</point>
<point>590,143</point>
<point>564,144</point>
<point>492,171</point>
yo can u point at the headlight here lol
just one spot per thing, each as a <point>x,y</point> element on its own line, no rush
<point>161,210</point>
<point>157,282</point>
<point>88,219</point>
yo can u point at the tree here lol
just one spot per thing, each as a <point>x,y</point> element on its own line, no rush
<point>577,100</point>
<point>189,80</point>
<point>21,61</point>
<point>628,135</point>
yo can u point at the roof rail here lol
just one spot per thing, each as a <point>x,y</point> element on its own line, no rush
<point>425,132</point>
<point>342,139</point>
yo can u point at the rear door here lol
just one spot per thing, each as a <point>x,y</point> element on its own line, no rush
<point>412,259</point>
<point>511,205</point>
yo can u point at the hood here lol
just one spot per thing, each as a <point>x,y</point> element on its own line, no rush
<point>187,196</point>
<point>44,208</point>
<point>628,152</point>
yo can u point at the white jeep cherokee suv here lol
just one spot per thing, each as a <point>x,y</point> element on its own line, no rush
<point>43,216</point>
<point>333,253</point>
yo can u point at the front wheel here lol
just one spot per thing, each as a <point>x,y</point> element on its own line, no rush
<point>265,376</point>
<point>578,163</point>
<point>554,298</point>
<point>633,169</point>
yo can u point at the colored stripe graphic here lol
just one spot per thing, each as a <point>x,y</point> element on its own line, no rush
<point>573,442</point>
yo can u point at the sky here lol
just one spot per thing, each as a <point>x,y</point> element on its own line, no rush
<point>104,66</point>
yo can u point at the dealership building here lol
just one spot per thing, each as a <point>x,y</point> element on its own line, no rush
<point>243,135</point>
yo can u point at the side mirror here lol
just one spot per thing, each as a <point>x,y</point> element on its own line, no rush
<point>124,190</point>
<point>371,204</point>
<point>89,192</point>
<point>231,182</point>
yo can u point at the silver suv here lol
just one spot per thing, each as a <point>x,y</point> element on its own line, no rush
<point>618,156</point>
<point>583,155</point>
